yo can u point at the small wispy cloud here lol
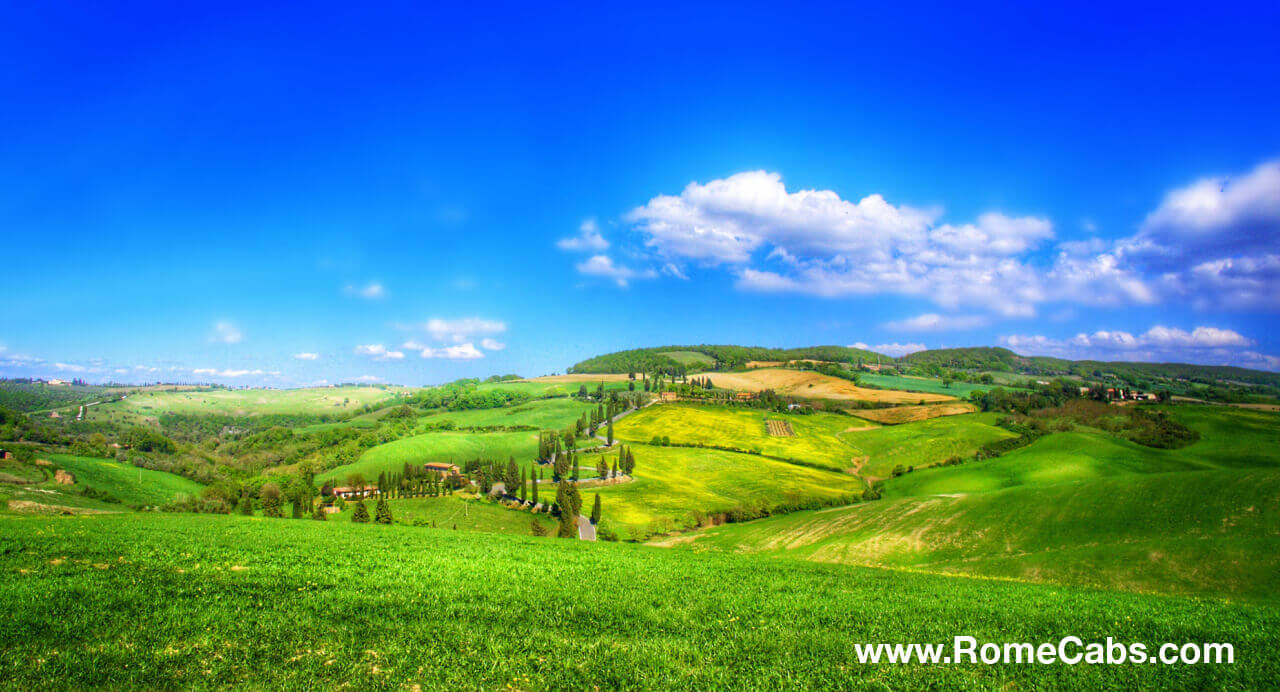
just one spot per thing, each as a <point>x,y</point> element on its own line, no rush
<point>933,322</point>
<point>588,239</point>
<point>306,356</point>
<point>373,290</point>
<point>466,351</point>
<point>227,333</point>
<point>378,352</point>
<point>492,344</point>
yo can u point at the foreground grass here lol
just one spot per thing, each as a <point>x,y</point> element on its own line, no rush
<point>1206,532</point>
<point>162,601</point>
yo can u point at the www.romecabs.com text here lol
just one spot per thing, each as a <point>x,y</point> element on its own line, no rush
<point>1069,650</point>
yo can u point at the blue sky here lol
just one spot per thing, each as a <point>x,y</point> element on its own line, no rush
<point>284,196</point>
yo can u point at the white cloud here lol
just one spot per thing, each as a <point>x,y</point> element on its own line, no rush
<point>895,349</point>
<point>492,344</point>
<point>227,333</point>
<point>378,352</point>
<point>601,265</point>
<point>307,356</point>
<point>463,329</point>
<point>588,239</point>
<point>229,372</point>
<point>933,322</point>
<point>69,367</point>
<point>1210,345</point>
<point>368,378</point>
<point>466,351</point>
<point>372,290</point>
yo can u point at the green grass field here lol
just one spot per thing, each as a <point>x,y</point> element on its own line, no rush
<point>454,447</point>
<point>922,443</point>
<point>671,483</point>
<point>129,484</point>
<point>690,358</point>
<point>1214,532</point>
<point>465,513</point>
<point>131,601</point>
<point>542,413</point>
<point>921,384</point>
<point>249,402</point>
<point>817,439</point>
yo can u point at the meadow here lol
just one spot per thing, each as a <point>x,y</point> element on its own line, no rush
<point>465,513</point>
<point>817,435</point>
<point>543,413</point>
<point>673,486</point>
<point>452,447</point>
<point>881,449</point>
<point>132,601</point>
<point>1209,533</point>
<point>251,402</point>
<point>129,484</point>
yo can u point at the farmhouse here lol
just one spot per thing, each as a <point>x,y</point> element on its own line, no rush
<point>668,396</point>
<point>5,454</point>
<point>348,493</point>
<point>745,396</point>
<point>440,467</point>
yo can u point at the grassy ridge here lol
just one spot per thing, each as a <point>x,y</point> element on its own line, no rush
<point>248,402</point>
<point>921,384</point>
<point>454,447</point>
<point>129,484</point>
<point>925,442</point>
<point>131,601</point>
<point>543,413</point>
<point>1214,532</point>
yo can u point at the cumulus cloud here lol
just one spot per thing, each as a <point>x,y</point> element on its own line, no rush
<point>463,329</point>
<point>69,367</point>
<point>307,356</point>
<point>368,378</point>
<point>378,352</point>
<point>1210,345</point>
<point>933,322</point>
<point>587,239</point>
<point>230,372</point>
<point>371,291</point>
<point>895,349</point>
<point>466,351</point>
<point>1214,242</point>
<point>492,344</point>
<point>227,333</point>
<point>601,265</point>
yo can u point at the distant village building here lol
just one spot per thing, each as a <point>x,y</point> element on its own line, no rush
<point>746,396</point>
<point>59,383</point>
<point>668,396</point>
<point>348,493</point>
<point>440,467</point>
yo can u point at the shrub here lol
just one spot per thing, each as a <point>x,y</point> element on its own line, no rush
<point>361,513</point>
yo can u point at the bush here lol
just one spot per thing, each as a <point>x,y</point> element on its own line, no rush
<point>361,513</point>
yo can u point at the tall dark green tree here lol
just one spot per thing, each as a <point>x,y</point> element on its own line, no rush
<point>595,510</point>
<point>609,435</point>
<point>534,491</point>
<point>382,514</point>
<point>361,513</point>
<point>603,468</point>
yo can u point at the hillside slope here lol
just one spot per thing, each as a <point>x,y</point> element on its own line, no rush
<point>131,601</point>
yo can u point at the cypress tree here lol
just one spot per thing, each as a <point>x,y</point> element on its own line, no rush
<point>603,468</point>
<point>535,488</point>
<point>575,499</point>
<point>610,432</point>
<point>382,514</point>
<point>361,514</point>
<point>568,526</point>
<point>595,511</point>
<point>523,487</point>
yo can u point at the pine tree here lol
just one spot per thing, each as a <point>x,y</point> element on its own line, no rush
<point>595,511</point>
<point>361,513</point>
<point>382,514</point>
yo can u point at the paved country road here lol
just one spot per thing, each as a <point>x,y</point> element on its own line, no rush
<point>586,530</point>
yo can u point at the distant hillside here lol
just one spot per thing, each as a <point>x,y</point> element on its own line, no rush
<point>677,359</point>
<point>1004,360</point>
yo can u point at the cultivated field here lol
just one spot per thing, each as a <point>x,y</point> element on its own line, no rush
<point>779,428</point>
<point>818,437</point>
<point>251,402</point>
<point>132,601</point>
<point>804,383</point>
<point>879,450</point>
<point>911,414</point>
<point>923,384</point>
<point>673,483</point>
<point>1169,533</point>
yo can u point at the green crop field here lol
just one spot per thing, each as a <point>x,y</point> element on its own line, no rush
<point>672,483</point>
<point>464,513</point>
<point>454,447</point>
<point>132,601</point>
<point>249,402</point>
<point>921,384</point>
<point>817,439</point>
<point>1216,533</point>
<point>922,443</point>
<point>129,484</point>
<point>690,358</point>
<point>542,413</point>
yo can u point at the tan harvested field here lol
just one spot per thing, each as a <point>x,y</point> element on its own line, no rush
<point>780,428</point>
<point>764,363</point>
<point>911,414</point>
<point>804,383</point>
<point>603,377</point>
